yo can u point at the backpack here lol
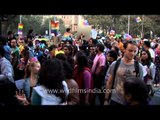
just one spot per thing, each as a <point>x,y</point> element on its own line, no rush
<point>136,65</point>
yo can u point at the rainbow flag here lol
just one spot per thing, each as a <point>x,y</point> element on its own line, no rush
<point>54,31</point>
<point>66,36</point>
<point>20,28</point>
<point>54,25</point>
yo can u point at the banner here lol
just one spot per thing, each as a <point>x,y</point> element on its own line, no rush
<point>86,30</point>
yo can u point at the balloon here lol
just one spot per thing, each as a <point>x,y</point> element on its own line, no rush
<point>127,37</point>
<point>112,32</point>
<point>138,19</point>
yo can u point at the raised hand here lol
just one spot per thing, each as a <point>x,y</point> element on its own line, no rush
<point>21,97</point>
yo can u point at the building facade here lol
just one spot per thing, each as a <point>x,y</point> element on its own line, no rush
<point>71,21</point>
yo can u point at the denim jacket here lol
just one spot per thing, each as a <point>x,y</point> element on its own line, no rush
<point>24,84</point>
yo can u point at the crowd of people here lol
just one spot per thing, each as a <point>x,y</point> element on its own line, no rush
<point>78,71</point>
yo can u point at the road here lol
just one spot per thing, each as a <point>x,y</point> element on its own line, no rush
<point>156,98</point>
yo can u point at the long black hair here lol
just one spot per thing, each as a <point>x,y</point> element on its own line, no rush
<point>137,88</point>
<point>148,60</point>
<point>51,76</point>
<point>68,70</point>
<point>82,61</point>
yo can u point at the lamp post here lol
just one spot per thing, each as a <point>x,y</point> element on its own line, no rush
<point>151,33</point>
<point>20,18</point>
<point>142,34</point>
<point>128,23</point>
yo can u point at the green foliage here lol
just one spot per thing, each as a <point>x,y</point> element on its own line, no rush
<point>29,21</point>
<point>11,24</point>
<point>33,22</point>
<point>119,23</point>
<point>62,27</point>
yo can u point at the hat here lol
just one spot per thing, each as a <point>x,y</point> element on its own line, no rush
<point>58,52</point>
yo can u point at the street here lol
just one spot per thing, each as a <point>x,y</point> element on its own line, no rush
<point>156,98</point>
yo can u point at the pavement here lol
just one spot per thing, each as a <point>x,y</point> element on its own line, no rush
<point>155,100</point>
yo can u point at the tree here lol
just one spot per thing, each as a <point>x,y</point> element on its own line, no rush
<point>29,21</point>
<point>9,23</point>
<point>62,27</point>
<point>32,22</point>
<point>120,23</point>
<point>106,22</point>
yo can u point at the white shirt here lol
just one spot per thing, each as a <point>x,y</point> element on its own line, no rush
<point>152,53</point>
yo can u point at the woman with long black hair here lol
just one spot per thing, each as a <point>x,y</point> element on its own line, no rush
<point>52,89</point>
<point>149,67</point>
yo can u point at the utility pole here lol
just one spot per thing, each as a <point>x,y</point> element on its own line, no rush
<point>49,31</point>
<point>20,21</point>
<point>142,34</point>
<point>20,18</point>
<point>128,23</point>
